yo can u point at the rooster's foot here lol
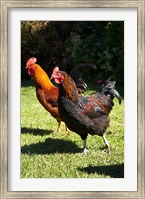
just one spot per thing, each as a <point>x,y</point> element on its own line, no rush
<point>106,150</point>
<point>67,133</point>
<point>85,151</point>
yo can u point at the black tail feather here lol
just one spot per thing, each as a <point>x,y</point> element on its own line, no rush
<point>108,88</point>
<point>77,76</point>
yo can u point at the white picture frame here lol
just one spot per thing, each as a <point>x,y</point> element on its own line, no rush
<point>5,193</point>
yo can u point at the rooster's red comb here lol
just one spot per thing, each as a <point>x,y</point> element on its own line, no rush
<point>54,73</point>
<point>31,61</point>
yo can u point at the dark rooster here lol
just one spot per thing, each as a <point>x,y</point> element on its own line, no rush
<point>85,115</point>
<point>46,92</point>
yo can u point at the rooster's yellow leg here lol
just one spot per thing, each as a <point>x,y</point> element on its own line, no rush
<point>59,123</point>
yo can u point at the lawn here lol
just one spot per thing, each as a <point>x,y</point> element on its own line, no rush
<point>46,153</point>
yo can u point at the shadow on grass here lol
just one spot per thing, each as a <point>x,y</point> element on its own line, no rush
<point>51,146</point>
<point>115,171</point>
<point>36,131</point>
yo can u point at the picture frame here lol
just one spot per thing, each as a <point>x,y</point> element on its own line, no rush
<point>5,5</point>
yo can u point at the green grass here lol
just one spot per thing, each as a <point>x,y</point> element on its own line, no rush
<point>48,154</point>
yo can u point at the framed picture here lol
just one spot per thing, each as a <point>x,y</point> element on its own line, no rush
<point>130,183</point>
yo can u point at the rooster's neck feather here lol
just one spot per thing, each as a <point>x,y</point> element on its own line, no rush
<point>41,78</point>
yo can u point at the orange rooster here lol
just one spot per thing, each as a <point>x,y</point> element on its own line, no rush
<point>46,92</point>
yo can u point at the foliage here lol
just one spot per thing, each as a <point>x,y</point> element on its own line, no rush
<point>47,154</point>
<point>67,43</point>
